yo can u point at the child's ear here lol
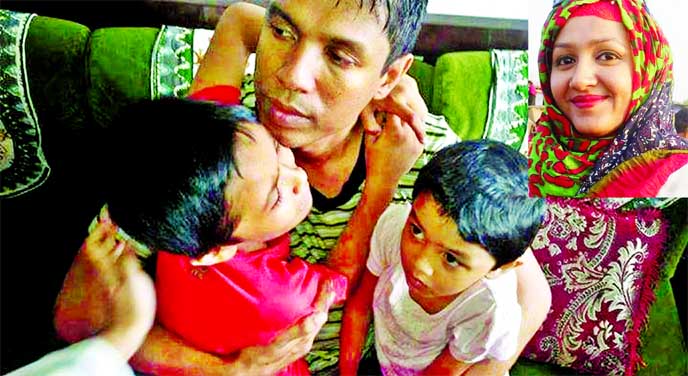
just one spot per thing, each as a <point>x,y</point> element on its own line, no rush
<point>215,256</point>
<point>391,77</point>
<point>509,265</point>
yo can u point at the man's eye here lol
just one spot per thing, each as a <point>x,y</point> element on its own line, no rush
<point>281,32</point>
<point>341,59</point>
<point>417,232</point>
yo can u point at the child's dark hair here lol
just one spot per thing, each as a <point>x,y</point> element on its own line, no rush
<point>483,186</point>
<point>171,160</point>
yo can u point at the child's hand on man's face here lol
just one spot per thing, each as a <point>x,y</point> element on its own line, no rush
<point>403,101</point>
<point>391,154</point>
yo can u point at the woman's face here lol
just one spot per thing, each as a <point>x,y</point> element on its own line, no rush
<point>591,79</point>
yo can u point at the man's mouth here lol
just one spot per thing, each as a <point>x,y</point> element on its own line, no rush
<point>286,109</point>
<point>285,115</point>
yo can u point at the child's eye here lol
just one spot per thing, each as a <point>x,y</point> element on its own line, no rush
<point>279,199</point>
<point>417,232</point>
<point>451,259</point>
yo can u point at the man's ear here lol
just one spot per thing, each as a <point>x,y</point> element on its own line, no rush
<point>391,77</point>
<point>509,265</point>
<point>215,256</point>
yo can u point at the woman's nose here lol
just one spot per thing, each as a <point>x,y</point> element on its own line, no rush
<point>584,75</point>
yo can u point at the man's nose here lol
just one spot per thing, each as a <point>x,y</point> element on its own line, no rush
<point>298,72</point>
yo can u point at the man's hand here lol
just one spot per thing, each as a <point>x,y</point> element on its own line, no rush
<point>403,101</point>
<point>290,345</point>
<point>133,302</point>
<point>84,304</point>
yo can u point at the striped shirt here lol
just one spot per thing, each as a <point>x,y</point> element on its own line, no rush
<point>313,238</point>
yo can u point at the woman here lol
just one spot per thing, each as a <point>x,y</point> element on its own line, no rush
<point>607,128</point>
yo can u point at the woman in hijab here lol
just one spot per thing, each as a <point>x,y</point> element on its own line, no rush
<point>607,128</point>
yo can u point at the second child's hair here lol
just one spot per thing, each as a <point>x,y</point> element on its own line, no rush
<point>171,160</point>
<point>483,187</point>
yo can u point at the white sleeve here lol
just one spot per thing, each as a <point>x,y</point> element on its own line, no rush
<point>93,356</point>
<point>676,185</point>
<point>492,333</point>
<point>386,238</point>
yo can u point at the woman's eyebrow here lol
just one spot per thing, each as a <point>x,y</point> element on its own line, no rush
<point>592,42</point>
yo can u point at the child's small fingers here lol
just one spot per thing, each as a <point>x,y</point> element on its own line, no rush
<point>118,249</point>
<point>325,297</point>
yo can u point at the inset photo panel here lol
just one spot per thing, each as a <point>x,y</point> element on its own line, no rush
<point>609,92</point>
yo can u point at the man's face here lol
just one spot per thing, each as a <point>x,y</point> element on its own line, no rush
<point>318,64</point>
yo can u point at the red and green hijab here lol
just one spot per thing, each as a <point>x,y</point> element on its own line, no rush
<point>564,163</point>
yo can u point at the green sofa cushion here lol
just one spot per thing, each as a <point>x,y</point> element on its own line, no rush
<point>464,79</point>
<point>119,64</point>
<point>423,73</point>
<point>664,349</point>
<point>508,104</point>
<point>55,61</point>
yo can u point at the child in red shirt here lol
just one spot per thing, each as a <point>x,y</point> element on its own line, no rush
<point>214,195</point>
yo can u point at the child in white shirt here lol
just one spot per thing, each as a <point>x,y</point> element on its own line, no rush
<point>439,276</point>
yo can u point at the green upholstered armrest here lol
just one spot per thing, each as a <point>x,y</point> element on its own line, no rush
<point>482,94</point>
<point>55,55</point>
<point>119,66</point>
<point>423,73</point>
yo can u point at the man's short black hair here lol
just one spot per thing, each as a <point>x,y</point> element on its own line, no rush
<point>403,20</point>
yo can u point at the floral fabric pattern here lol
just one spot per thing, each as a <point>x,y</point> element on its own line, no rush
<point>23,166</point>
<point>563,163</point>
<point>601,264</point>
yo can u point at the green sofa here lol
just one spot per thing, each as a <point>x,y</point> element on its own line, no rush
<point>77,78</point>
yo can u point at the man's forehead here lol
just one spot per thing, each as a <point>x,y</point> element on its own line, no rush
<point>347,10</point>
<point>341,23</point>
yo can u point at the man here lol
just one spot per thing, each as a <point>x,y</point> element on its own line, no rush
<point>319,65</point>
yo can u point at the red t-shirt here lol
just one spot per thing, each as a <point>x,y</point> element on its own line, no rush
<point>245,301</point>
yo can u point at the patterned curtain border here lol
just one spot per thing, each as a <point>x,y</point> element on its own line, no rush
<point>22,163</point>
<point>172,62</point>
<point>507,116</point>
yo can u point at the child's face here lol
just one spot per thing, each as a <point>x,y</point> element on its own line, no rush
<point>269,194</point>
<point>438,263</point>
